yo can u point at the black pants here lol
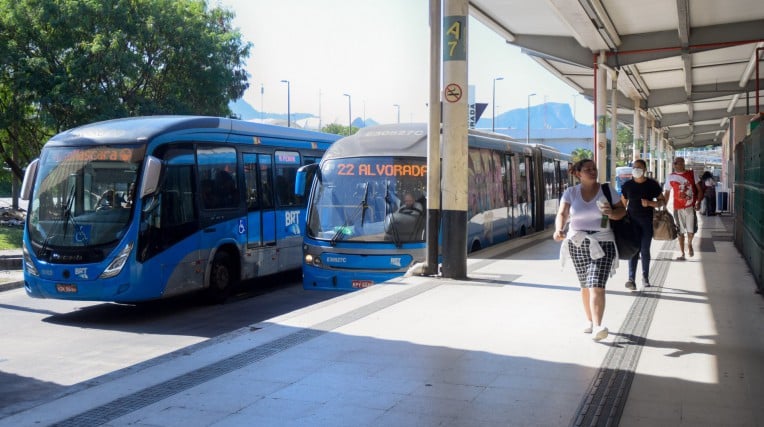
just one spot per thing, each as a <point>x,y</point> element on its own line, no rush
<point>643,227</point>
<point>710,204</point>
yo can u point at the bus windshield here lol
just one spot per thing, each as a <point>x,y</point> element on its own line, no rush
<point>622,174</point>
<point>370,199</point>
<point>83,196</point>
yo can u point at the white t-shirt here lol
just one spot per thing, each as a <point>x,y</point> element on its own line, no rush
<point>584,216</point>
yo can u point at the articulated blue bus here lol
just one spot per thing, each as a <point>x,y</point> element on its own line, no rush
<point>145,208</point>
<point>366,212</point>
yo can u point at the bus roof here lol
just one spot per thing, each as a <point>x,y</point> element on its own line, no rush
<point>143,129</point>
<point>409,140</point>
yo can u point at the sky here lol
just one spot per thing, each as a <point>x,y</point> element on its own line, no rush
<point>378,53</point>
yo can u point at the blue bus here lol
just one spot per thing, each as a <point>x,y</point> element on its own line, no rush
<point>622,174</point>
<point>146,208</point>
<point>366,212</point>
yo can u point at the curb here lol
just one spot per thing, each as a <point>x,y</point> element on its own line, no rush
<point>11,285</point>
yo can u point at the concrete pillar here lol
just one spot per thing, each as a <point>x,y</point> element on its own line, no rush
<point>637,129</point>
<point>613,124</point>
<point>433,142</point>
<point>601,108</point>
<point>455,171</point>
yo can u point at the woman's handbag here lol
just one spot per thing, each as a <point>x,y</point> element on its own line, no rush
<point>664,227</point>
<point>626,239</point>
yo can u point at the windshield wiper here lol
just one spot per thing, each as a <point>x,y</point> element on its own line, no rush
<point>364,204</point>
<point>67,211</point>
<point>351,218</point>
<point>393,225</point>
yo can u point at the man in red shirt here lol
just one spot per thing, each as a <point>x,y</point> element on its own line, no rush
<point>686,196</point>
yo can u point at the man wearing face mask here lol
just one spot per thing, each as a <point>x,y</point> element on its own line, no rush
<point>641,195</point>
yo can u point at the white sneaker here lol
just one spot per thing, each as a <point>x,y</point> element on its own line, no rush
<point>600,333</point>
<point>588,327</point>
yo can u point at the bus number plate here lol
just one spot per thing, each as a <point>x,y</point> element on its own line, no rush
<point>359,284</point>
<point>66,288</point>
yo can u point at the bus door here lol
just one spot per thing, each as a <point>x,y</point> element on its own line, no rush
<point>170,225</point>
<point>261,217</point>
<point>219,197</point>
<point>290,209</point>
<point>528,185</point>
<point>510,187</point>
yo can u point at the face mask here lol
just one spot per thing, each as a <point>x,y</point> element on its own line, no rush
<point>637,173</point>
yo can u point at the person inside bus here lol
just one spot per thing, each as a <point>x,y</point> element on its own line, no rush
<point>589,242</point>
<point>106,201</point>
<point>641,195</point>
<point>410,205</point>
<point>127,202</point>
<point>225,190</point>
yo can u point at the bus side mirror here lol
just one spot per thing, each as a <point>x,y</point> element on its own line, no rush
<point>150,179</point>
<point>304,177</point>
<point>29,174</point>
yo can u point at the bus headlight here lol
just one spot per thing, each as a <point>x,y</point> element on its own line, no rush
<point>119,261</point>
<point>312,260</point>
<point>31,269</point>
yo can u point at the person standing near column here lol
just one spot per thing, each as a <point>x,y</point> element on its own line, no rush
<point>686,196</point>
<point>641,195</point>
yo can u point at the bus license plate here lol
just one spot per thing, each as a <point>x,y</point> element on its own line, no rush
<point>360,284</point>
<point>66,288</point>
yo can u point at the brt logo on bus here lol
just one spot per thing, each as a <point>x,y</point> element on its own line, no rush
<point>292,222</point>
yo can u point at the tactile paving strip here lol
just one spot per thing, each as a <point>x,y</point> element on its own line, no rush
<point>127,404</point>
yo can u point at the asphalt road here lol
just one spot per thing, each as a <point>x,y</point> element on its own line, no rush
<point>52,347</point>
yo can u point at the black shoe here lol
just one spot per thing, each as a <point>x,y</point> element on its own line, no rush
<point>631,285</point>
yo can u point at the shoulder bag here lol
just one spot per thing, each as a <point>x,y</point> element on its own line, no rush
<point>664,227</point>
<point>626,240</point>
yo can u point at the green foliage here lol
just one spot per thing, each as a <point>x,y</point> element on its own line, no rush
<point>582,153</point>
<point>64,63</point>
<point>623,145</point>
<point>338,129</point>
<point>10,238</point>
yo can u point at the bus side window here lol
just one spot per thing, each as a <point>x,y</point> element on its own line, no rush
<point>250,181</point>
<point>266,170</point>
<point>207,193</point>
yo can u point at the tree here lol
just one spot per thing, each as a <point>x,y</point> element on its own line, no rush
<point>582,153</point>
<point>338,129</point>
<point>624,142</point>
<point>64,63</point>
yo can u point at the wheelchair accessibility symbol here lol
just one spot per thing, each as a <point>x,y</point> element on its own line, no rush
<point>242,226</point>
<point>82,233</point>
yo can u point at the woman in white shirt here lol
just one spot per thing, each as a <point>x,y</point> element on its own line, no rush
<point>589,242</point>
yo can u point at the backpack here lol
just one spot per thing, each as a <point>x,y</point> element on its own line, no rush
<point>626,239</point>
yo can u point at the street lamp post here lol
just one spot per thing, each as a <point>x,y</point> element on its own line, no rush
<point>528,112</point>
<point>350,120</point>
<point>289,103</point>
<point>493,103</point>
<point>398,107</point>
<point>575,122</point>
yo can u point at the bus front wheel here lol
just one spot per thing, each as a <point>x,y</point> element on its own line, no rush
<point>222,278</point>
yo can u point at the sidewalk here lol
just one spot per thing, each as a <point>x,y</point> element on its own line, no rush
<point>11,274</point>
<point>503,348</point>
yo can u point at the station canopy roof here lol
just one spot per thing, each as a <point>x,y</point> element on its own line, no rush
<point>689,63</point>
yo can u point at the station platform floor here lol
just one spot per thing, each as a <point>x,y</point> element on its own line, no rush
<point>504,348</point>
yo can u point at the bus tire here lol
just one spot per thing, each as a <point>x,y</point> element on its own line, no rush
<point>222,278</point>
<point>475,246</point>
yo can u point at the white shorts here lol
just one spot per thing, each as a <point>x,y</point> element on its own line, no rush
<point>686,220</point>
